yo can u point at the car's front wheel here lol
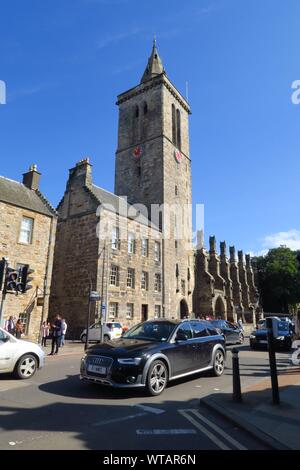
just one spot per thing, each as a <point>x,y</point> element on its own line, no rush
<point>219,363</point>
<point>26,367</point>
<point>157,378</point>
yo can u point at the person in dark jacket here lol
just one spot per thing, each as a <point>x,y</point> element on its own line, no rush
<point>56,334</point>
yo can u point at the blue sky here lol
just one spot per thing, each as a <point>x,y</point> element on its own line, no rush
<point>65,61</point>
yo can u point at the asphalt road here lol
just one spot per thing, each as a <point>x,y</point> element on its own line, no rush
<point>55,410</point>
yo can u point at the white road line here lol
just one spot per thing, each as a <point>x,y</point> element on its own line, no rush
<point>218,430</point>
<point>156,411</point>
<point>164,432</point>
<point>118,420</point>
<point>205,431</point>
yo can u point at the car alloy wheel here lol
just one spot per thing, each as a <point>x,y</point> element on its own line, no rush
<point>157,378</point>
<point>106,338</point>
<point>219,363</point>
<point>26,367</point>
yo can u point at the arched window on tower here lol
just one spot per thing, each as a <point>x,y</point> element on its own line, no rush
<point>173,125</point>
<point>135,125</point>
<point>144,129</point>
<point>178,126</point>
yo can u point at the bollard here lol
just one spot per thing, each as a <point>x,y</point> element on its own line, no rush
<point>272,360</point>
<point>236,380</point>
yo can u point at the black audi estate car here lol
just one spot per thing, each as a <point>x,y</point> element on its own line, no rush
<point>155,352</point>
<point>232,333</point>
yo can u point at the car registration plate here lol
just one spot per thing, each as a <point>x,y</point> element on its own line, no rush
<point>263,341</point>
<point>97,369</point>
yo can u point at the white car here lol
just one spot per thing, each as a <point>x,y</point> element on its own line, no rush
<point>112,330</point>
<point>21,358</point>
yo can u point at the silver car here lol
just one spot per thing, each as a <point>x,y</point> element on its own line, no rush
<point>112,330</point>
<point>19,357</point>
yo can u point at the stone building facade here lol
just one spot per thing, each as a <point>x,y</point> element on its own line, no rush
<point>224,287</point>
<point>152,184</point>
<point>134,247</point>
<point>27,236</point>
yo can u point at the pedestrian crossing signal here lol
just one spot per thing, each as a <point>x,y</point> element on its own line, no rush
<point>11,281</point>
<point>25,279</point>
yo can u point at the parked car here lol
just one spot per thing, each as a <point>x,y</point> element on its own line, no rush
<point>155,352</point>
<point>232,333</point>
<point>112,330</point>
<point>283,340</point>
<point>19,357</point>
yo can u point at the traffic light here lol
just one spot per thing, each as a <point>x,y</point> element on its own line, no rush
<point>11,280</point>
<point>2,272</point>
<point>25,279</point>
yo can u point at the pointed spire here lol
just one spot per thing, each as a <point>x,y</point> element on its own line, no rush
<point>154,66</point>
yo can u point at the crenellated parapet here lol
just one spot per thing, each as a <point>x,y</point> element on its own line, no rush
<point>224,287</point>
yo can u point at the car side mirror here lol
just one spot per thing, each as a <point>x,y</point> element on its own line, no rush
<point>181,336</point>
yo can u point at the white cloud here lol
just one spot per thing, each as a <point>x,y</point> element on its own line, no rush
<point>291,239</point>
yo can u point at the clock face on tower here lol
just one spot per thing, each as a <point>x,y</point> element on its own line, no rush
<point>177,155</point>
<point>137,152</point>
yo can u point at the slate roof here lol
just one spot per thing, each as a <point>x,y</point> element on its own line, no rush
<point>106,197</point>
<point>17,194</point>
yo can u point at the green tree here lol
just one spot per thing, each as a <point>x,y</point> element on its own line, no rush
<point>278,279</point>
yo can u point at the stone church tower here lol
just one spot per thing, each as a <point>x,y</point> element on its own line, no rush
<point>153,167</point>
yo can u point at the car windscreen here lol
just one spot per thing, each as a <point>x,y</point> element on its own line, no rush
<point>283,326</point>
<point>217,323</point>
<point>151,331</point>
<point>116,325</point>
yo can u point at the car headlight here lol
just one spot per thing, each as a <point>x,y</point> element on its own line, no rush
<point>281,338</point>
<point>252,336</point>
<point>129,361</point>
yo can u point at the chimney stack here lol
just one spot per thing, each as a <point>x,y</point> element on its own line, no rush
<point>31,179</point>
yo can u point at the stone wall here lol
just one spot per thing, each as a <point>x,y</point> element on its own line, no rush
<point>38,255</point>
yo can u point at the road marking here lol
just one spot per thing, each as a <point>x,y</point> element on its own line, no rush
<point>11,385</point>
<point>159,432</point>
<point>218,430</point>
<point>150,409</point>
<point>205,431</point>
<point>118,420</point>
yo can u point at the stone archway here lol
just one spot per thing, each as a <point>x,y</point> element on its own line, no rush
<point>220,308</point>
<point>184,309</point>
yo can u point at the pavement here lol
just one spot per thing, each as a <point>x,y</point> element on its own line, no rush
<point>55,410</point>
<point>275,425</point>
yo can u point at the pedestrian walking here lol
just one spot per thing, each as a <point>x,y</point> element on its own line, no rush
<point>240,324</point>
<point>10,325</point>
<point>19,329</point>
<point>56,334</point>
<point>63,331</point>
<point>45,331</point>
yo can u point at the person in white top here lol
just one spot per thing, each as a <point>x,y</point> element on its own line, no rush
<point>45,331</point>
<point>64,327</point>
